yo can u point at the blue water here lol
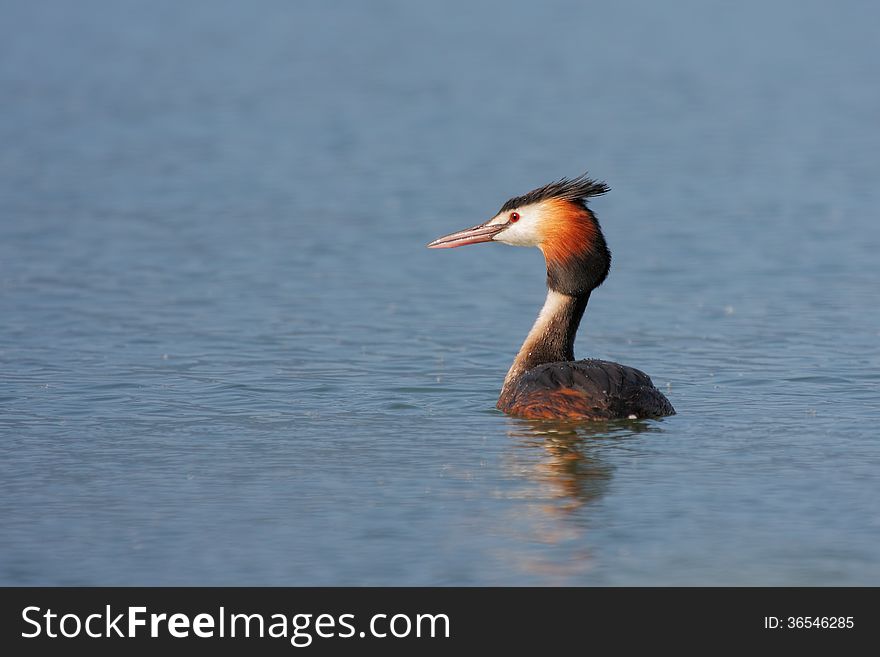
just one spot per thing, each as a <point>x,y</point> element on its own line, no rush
<point>226,356</point>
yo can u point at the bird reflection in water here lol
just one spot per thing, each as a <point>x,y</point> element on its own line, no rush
<point>570,457</point>
<point>567,468</point>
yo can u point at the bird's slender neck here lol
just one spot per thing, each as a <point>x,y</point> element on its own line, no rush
<point>552,337</point>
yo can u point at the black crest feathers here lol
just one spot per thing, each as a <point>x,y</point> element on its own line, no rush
<point>576,190</point>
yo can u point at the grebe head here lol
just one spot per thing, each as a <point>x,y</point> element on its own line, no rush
<point>555,218</point>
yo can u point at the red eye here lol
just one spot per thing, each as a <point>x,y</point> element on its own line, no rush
<point>514,217</point>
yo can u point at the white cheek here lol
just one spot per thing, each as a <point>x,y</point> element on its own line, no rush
<point>522,233</point>
<point>526,231</point>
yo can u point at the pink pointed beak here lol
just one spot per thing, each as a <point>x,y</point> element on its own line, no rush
<point>475,235</point>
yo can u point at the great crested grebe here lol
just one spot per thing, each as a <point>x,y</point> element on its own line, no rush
<point>545,382</point>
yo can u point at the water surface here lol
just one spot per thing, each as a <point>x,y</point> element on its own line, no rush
<point>227,357</point>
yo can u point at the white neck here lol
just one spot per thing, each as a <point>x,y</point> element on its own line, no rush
<point>552,336</point>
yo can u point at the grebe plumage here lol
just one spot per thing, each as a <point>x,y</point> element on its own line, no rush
<point>545,382</point>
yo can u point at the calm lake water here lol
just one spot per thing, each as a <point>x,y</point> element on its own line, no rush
<point>226,356</point>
